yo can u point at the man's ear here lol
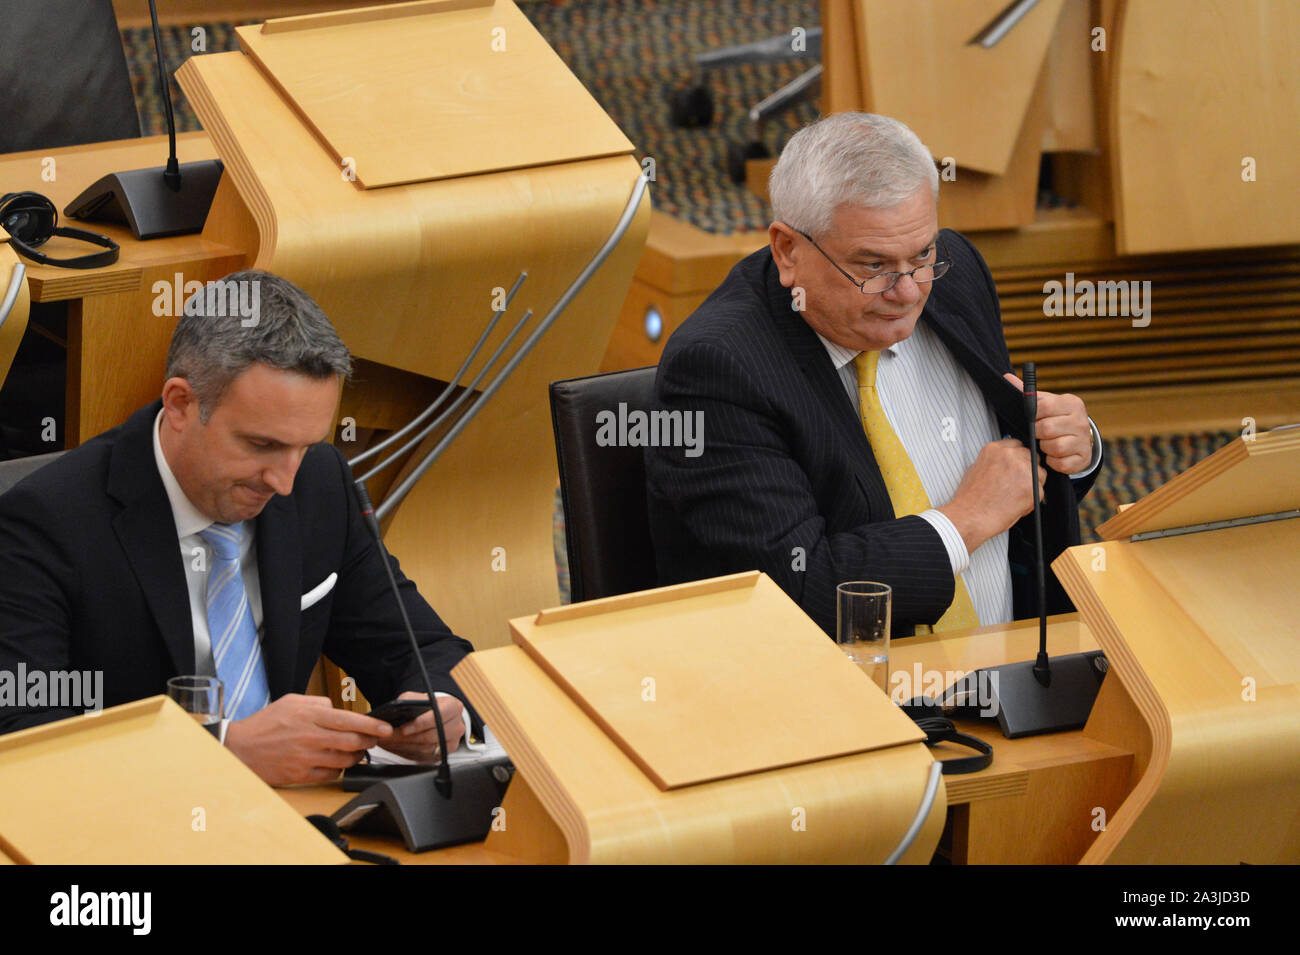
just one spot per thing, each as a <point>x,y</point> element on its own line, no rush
<point>782,238</point>
<point>180,403</point>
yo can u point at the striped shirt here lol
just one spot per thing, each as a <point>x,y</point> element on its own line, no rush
<point>943,425</point>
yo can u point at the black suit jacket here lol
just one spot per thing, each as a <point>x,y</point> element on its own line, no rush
<point>91,578</point>
<point>787,482</point>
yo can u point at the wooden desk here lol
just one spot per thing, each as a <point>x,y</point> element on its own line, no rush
<point>1035,804</point>
<point>117,340</point>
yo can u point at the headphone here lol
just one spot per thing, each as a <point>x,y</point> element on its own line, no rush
<point>31,219</point>
<point>928,715</point>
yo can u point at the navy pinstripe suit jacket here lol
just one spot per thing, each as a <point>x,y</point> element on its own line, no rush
<point>787,483</point>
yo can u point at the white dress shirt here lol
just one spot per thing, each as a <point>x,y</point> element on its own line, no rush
<point>943,420</point>
<point>197,557</point>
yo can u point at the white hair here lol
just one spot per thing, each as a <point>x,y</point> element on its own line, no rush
<point>856,159</point>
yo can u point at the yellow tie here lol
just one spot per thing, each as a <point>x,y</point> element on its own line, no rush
<point>901,481</point>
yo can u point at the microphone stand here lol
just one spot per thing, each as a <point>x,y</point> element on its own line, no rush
<point>450,806</point>
<point>1045,695</point>
<point>160,201</point>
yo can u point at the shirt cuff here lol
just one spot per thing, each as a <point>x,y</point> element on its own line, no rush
<point>464,719</point>
<point>952,542</point>
<point>1096,453</point>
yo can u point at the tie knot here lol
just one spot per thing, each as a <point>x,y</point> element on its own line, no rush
<point>224,539</point>
<point>866,363</point>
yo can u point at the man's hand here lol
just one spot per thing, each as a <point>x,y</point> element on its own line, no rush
<point>1062,429</point>
<point>303,739</point>
<point>418,739</point>
<point>994,492</point>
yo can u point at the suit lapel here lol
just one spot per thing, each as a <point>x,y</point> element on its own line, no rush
<point>1006,400</point>
<point>279,569</point>
<point>147,532</point>
<point>819,370</point>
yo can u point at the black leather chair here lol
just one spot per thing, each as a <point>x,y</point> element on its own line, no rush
<point>606,521</point>
<point>64,79</point>
<point>13,471</point>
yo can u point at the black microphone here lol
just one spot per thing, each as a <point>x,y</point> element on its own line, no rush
<point>424,808</point>
<point>1023,696</point>
<point>1042,668</point>
<point>154,202</point>
<point>368,515</point>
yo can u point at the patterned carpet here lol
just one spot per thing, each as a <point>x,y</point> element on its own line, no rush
<point>628,53</point>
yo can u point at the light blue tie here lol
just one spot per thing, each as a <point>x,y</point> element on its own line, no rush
<point>236,651</point>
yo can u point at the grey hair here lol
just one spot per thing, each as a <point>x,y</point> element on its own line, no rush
<point>247,317</point>
<point>856,159</point>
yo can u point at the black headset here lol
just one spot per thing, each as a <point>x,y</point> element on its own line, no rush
<point>929,716</point>
<point>31,219</point>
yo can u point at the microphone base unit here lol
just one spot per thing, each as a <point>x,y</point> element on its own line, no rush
<point>142,200</point>
<point>412,806</point>
<point>1022,705</point>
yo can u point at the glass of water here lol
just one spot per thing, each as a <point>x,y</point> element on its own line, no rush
<point>201,697</point>
<point>862,627</point>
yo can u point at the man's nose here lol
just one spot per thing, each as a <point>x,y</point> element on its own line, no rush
<point>279,477</point>
<point>905,290</point>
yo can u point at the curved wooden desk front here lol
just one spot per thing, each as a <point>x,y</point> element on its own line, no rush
<point>409,275</point>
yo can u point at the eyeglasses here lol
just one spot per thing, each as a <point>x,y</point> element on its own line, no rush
<point>886,280</point>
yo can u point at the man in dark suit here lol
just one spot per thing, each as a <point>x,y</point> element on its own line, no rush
<point>216,533</point>
<point>860,416</point>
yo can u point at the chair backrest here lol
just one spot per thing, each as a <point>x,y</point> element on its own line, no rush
<point>64,79</point>
<point>603,485</point>
<point>15,469</point>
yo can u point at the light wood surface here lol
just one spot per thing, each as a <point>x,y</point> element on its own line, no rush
<point>142,783</point>
<point>1071,105</point>
<point>701,653</point>
<point>1244,478</point>
<point>119,326</point>
<point>361,14</point>
<point>75,168</point>
<point>493,105</point>
<point>407,276</point>
<point>587,800</point>
<point>1200,630</point>
<point>862,78</point>
<point>1034,804</point>
<point>855,808</point>
<point>962,101</point>
<point>842,76</point>
<point>979,200</point>
<point>1189,104</point>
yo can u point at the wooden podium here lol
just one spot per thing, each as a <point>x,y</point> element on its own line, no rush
<point>1194,600</point>
<point>709,722</point>
<point>403,164</point>
<point>142,783</point>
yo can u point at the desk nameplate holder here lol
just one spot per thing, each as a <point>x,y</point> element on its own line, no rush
<point>1193,598</point>
<point>628,750</point>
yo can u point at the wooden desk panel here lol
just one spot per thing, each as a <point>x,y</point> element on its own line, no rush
<point>1037,803</point>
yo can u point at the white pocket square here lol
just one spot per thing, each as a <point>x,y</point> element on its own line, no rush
<point>314,595</point>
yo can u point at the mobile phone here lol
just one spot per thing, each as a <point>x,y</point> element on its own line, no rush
<point>398,712</point>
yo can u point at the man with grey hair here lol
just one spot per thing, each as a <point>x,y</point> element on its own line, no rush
<point>216,533</point>
<point>861,418</point>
